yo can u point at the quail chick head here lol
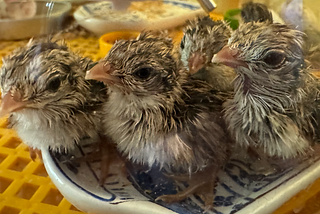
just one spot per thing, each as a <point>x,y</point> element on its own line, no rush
<point>275,95</point>
<point>50,103</point>
<point>203,38</point>
<point>156,113</point>
<point>255,12</point>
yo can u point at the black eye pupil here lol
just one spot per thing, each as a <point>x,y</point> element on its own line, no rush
<point>143,73</point>
<point>54,84</point>
<point>182,42</point>
<point>274,59</point>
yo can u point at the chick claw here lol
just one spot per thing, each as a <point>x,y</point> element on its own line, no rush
<point>34,153</point>
<point>201,184</point>
<point>181,178</point>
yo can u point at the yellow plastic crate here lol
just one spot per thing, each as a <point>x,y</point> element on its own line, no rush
<point>25,187</point>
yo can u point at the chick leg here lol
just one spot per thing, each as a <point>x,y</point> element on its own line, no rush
<point>34,153</point>
<point>201,183</point>
<point>110,158</point>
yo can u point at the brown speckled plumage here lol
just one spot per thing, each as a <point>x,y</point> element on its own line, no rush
<point>275,96</point>
<point>203,38</point>
<point>255,12</point>
<point>59,107</point>
<point>156,113</point>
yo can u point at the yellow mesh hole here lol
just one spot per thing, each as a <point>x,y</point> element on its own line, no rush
<point>4,183</point>
<point>12,143</point>
<point>27,190</point>
<point>53,197</point>
<point>40,171</point>
<point>2,157</point>
<point>9,210</point>
<point>19,164</point>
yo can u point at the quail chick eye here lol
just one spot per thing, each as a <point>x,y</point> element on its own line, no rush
<point>182,43</point>
<point>54,84</point>
<point>143,73</point>
<point>274,58</point>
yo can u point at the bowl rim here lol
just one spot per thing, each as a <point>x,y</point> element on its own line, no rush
<point>111,35</point>
<point>90,202</point>
<point>78,15</point>
<point>64,10</point>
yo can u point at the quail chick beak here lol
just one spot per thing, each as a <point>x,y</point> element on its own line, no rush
<point>196,62</point>
<point>11,102</point>
<point>228,57</point>
<point>103,72</point>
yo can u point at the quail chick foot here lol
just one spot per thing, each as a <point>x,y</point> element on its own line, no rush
<point>109,158</point>
<point>201,183</point>
<point>34,153</point>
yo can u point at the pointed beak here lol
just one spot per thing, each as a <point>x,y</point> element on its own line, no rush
<point>103,72</point>
<point>10,103</point>
<point>196,62</point>
<point>228,57</point>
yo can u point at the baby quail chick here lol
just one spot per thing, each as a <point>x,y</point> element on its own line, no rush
<point>275,95</point>
<point>203,38</point>
<point>158,115</point>
<point>50,103</point>
<point>255,12</point>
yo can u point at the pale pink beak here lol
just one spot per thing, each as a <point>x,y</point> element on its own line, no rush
<point>196,62</point>
<point>228,57</point>
<point>102,72</point>
<point>10,103</point>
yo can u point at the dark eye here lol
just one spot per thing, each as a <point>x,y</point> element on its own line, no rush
<point>274,58</point>
<point>54,84</point>
<point>143,73</point>
<point>182,42</point>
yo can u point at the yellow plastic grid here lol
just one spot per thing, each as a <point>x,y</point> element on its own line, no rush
<point>25,187</point>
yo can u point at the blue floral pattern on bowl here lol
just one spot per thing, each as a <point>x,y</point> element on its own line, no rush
<point>241,184</point>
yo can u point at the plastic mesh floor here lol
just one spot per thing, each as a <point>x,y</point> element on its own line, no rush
<point>25,187</point>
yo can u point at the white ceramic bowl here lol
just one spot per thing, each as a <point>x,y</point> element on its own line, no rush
<point>49,18</point>
<point>89,17</point>
<point>245,186</point>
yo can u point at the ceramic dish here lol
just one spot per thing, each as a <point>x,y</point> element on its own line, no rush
<point>245,186</point>
<point>49,18</point>
<point>96,17</point>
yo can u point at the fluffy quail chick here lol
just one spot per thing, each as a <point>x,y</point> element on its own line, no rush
<point>275,95</point>
<point>158,115</point>
<point>203,38</point>
<point>255,12</point>
<point>50,103</point>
